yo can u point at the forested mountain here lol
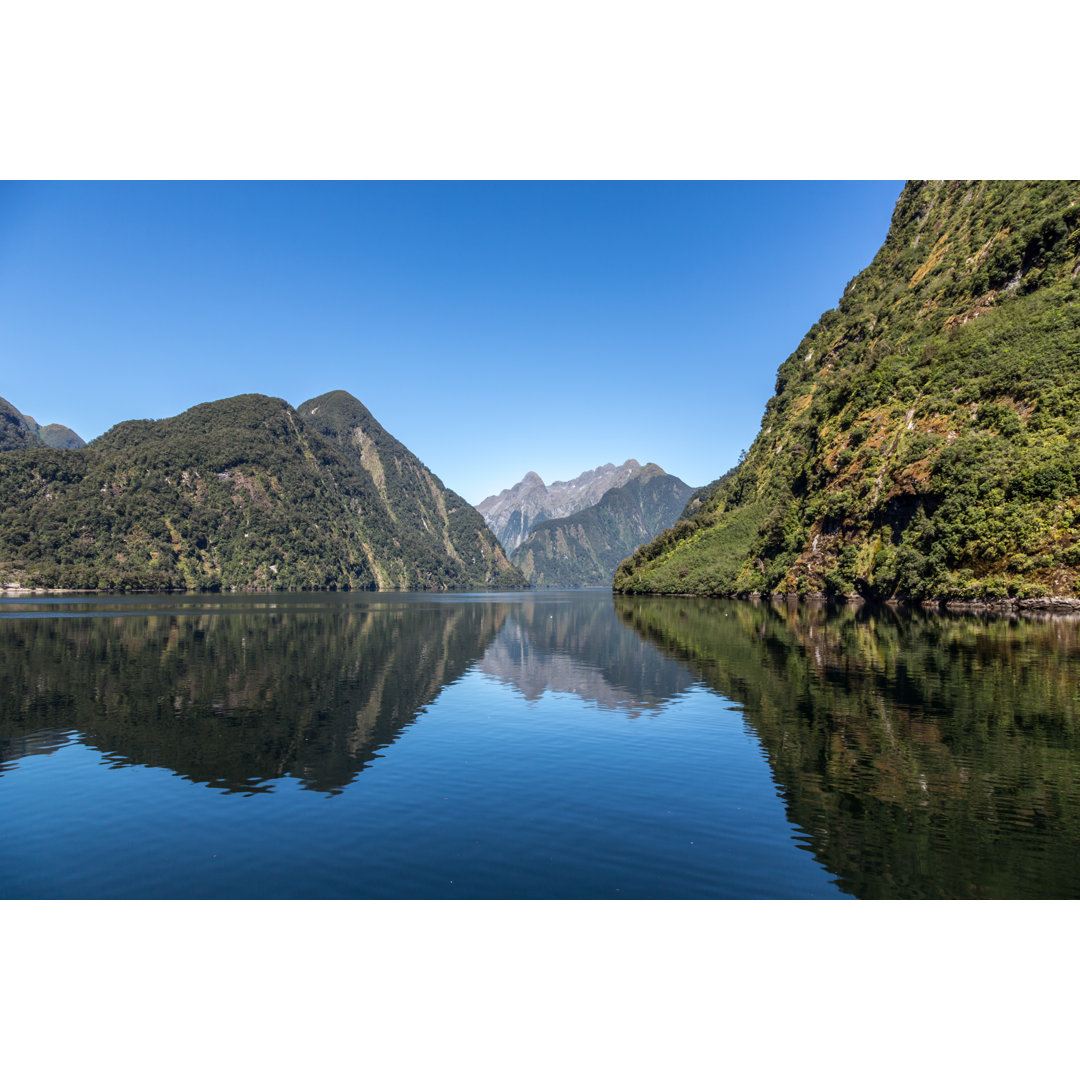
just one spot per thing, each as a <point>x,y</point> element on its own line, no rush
<point>514,512</point>
<point>458,547</point>
<point>924,438</point>
<point>20,432</point>
<point>241,493</point>
<point>584,548</point>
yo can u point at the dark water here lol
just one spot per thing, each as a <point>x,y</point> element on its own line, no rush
<point>556,745</point>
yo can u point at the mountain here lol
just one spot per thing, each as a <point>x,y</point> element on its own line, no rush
<point>512,513</point>
<point>243,493</point>
<point>415,500</point>
<point>924,438</point>
<point>15,431</point>
<point>585,548</point>
<point>57,436</point>
<point>21,432</point>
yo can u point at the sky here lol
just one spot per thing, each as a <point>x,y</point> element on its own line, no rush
<point>493,328</point>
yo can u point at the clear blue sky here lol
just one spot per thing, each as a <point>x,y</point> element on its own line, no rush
<point>493,328</point>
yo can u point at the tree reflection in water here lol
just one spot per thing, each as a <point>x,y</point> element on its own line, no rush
<point>925,755</point>
<point>241,695</point>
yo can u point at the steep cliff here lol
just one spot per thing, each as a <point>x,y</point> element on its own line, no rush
<point>458,544</point>
<point>924,438</point>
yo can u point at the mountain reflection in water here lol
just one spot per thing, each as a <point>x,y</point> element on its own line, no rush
<point>576,647</point>
<point>574,744</point>
<point>236,693</point>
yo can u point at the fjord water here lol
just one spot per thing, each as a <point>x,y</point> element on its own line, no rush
<point>543,745</point>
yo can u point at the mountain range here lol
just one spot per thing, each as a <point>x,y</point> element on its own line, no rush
<point>923,441</point>
<point>582,652</point>
<point>512,514</point>
<point>245,493</point>
<point>584,548</point>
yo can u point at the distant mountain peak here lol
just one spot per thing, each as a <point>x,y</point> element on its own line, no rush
<point>514,512</point>
<point>21,432</point>
<point>584,548</point>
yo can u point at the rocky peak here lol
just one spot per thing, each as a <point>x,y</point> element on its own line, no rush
<point>513,513</point>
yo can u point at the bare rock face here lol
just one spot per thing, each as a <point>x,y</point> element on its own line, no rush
<point>512,513</point>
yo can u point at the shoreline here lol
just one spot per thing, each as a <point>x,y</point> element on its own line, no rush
<point>41,590</point>
<point>1054,605</point>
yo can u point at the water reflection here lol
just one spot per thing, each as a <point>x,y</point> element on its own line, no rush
<point>570,644</point>
<point>233,695</point>
<point>924,755</point>
<point>916,755</point>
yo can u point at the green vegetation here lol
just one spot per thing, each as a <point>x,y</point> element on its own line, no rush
<point>687,559</point>
<point>21,432</point>
<point>584,548</point>
<point>241,493</point>
<point>15,432</point>
<point>922,441</point>
<point>456,539</point>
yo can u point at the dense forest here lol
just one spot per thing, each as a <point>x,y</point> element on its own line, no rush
<point>241,493</point>
<point>923,441</point>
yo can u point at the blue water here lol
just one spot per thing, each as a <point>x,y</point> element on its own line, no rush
<point>507,746</point>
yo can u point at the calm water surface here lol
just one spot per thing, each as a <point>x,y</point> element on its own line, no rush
<point>547,745</point>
